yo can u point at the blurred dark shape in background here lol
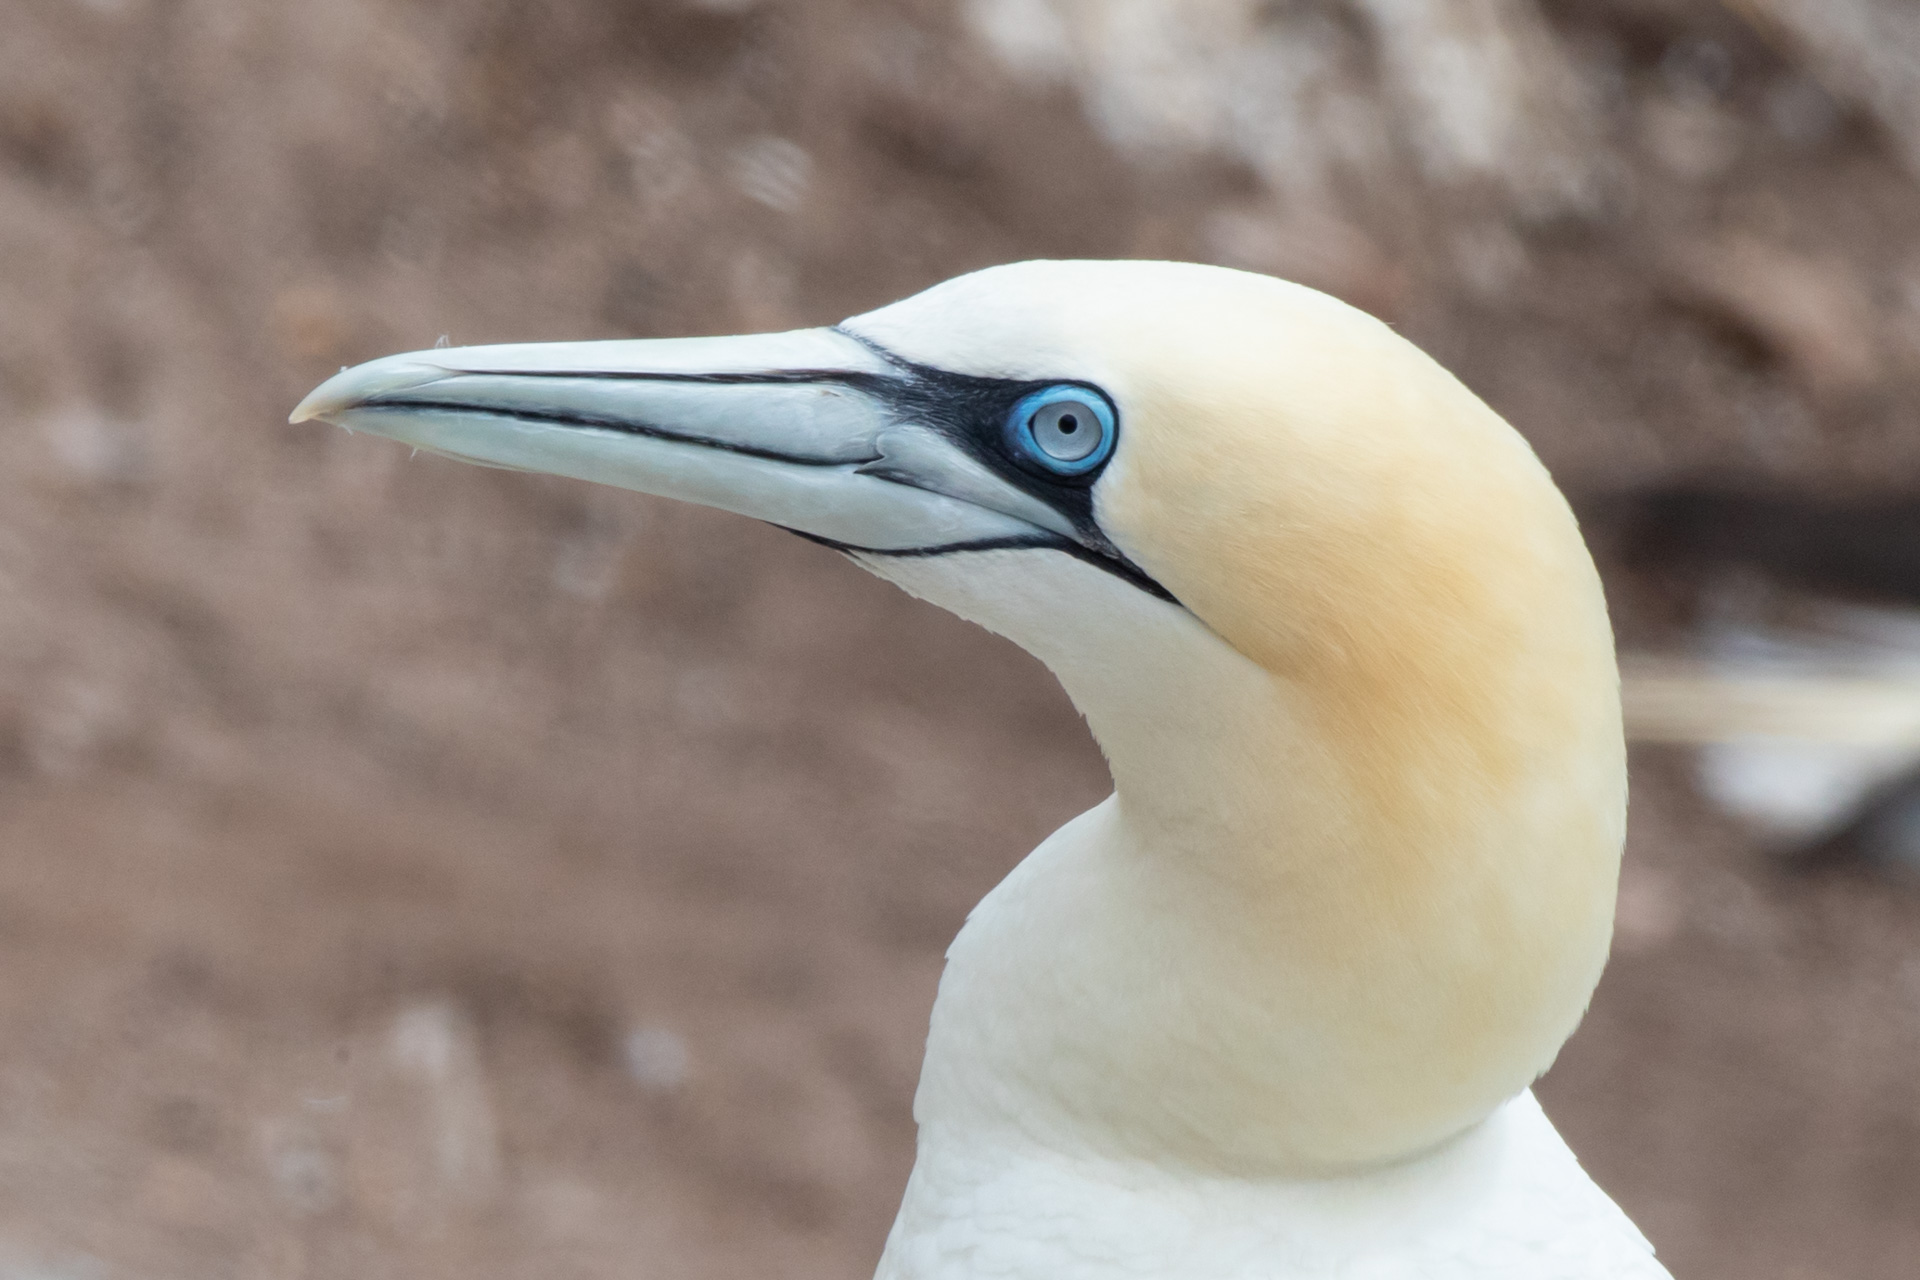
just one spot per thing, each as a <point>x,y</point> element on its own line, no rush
<point>1867,547</point>
<point>421,871</point>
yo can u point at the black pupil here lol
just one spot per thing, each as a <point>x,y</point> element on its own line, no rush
<point>1069,424</point>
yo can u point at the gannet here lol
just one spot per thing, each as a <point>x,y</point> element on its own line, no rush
<point>1274,1007</point>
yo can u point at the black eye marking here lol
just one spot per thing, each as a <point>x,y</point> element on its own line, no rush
<point>1120,567</point>
<point>972,412</point>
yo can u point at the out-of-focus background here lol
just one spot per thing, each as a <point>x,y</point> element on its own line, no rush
<point>418,871</point>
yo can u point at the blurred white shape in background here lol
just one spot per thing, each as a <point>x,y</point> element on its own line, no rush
<point>1797,790</point>
<point>97,448</point>
<point>773,171</point>
<point>1479,87</point>
<point>437,1044</point>
<point>1028,36</point>
<point>1799,728</point>
<point>1489,93</point>
<point>657,1058</point>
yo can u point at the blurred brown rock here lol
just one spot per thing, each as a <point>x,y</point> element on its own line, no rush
<point>1863,51</point>
<point>1813,313</point>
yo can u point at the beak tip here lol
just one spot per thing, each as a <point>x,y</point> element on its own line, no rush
<point>352,387</point>
<point>331,397</point>
<point>324,407</point>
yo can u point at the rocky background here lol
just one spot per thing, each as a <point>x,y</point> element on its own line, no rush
<point>418,871</point>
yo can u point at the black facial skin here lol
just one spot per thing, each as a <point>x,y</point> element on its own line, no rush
<point>969,411</point>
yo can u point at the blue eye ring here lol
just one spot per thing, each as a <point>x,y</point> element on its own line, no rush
<point>1044,429</point>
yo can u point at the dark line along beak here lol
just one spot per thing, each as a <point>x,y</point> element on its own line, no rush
<point>801,429</point>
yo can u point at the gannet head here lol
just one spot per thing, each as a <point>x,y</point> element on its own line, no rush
<point>1327,615</point>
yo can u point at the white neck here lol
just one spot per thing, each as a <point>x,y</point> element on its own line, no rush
<point>1211,969</point>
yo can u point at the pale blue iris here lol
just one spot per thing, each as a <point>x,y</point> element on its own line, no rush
<point>1067,430</point>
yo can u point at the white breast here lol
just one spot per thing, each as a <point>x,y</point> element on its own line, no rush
<point>1507,1201</point>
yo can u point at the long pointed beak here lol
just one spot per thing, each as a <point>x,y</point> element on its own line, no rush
<point>811,430</point>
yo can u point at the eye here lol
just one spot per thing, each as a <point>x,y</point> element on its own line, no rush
<point>1067,430</point>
